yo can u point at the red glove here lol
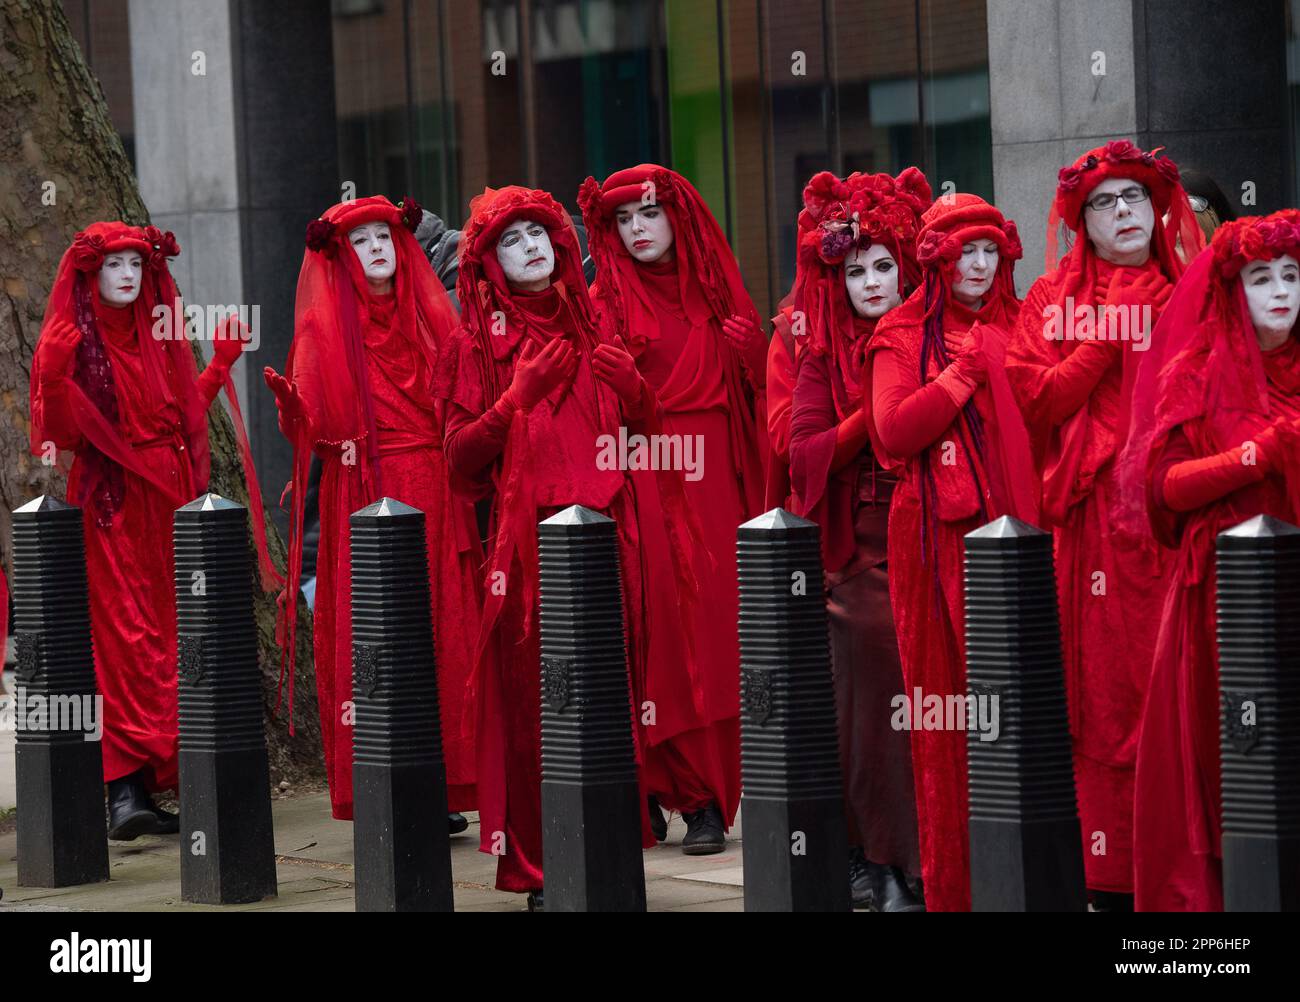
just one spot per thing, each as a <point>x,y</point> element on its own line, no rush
<point>228,341</point>
<point>58,347</point>
<point>1150,288</point>
<point>747,339</point>
<point>538,374</point>
<point>971,362</point>
<point>293,412</point>
<point>616,367</point>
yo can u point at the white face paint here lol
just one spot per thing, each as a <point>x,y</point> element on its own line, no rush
<point>975,270</point>
<point>373,245</point>
<point>526,255</point>
<point>1273,295</point>
<point>646,230</point>
<point>119,278</point>
<point>1121,234</point>
<point>871,278</point>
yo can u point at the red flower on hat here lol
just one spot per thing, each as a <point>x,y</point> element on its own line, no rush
<point>87,252</point>
<point>164,246</point>
<point>1068,178</point>
<point>589,197</point>
<point>412,213</point>
<point>320,236</point>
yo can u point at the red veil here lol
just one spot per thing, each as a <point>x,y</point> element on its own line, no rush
<point>103,454</point>
<point>1205,363</point>
<point>327,361</point>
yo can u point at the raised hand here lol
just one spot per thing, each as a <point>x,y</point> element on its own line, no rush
<point>536,376</point>
<point>289,402</point>
<point>58,346</point>
<point>747,339</point>
<point>228,341</point>
<point>616,367</point>
<point>971,361</point>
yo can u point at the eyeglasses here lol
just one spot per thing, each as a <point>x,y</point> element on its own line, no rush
<point>1107,200</point>
<point>1199,202</point>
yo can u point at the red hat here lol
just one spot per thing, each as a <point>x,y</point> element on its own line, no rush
<point>96,241</point>
<point>1119,158</point>
<point>326,234</point>
<point>957,219</point>
<point>495,209</point>
<point>1255,238</point>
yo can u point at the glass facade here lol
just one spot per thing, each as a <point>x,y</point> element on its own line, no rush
<point>747,98</point>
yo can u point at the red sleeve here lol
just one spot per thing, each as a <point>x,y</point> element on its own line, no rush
<point>52,414</point>
<point>1185,483</point>
<point>210,381</point>
<point>472,444</point>
<point>908,417</point>
<point>780,392</point>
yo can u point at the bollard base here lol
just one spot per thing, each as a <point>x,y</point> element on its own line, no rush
<point>796,855</point>
<point>1027,866</point>
<point>227,842</point>
<point>1261,873</point>
<point>591,847</point>
<point>402,848</point>
<point>62,827</point>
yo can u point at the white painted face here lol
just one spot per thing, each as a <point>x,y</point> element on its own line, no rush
<point>1121,233</point>
<point>373,245</point>
<point>646,230</point>
<point>975,270</point>
<point>1273,295</point>
<point>871,278</point>
<point>526,255</point>
<point>119,278</point>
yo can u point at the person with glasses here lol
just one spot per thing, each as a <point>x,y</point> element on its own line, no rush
<point>1072,361</point>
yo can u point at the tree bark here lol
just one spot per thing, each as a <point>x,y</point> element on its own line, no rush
<point>62,167</point>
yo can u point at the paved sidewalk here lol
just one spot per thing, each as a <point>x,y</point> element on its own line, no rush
<point>314,870</point>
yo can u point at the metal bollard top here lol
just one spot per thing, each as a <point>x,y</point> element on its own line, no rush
<point>45,505</point>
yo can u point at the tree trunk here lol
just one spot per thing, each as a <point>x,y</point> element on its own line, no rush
<point>62,167</point>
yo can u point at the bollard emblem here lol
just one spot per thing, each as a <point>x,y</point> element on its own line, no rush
<point>190,656</point>
<point>29,655</point>
<point>555,681</point>
<point>365,667</point>
<point>756,683</point>
<point>1242,736</point>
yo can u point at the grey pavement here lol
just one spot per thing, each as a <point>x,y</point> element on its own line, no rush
<point>314,872</point>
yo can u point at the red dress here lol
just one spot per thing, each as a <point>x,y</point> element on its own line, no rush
<point>413,471</point>
<point>782,356</point>
<point>1110,585</point>
<point>913,421</point>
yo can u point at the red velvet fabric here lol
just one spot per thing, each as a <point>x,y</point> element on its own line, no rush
<point>380,435</point>
<point>926,549</point>
<point>1075,396</point>
<point>782,356</point>
<point>539,463</point>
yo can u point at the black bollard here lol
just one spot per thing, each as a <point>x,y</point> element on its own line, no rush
<point>1258,608</point>
<point>227,841</point>
<point>1026,852</point>
<point>792,798</point>
<point>62,828</point>
<point>401,845</point>
<point>591,804</point>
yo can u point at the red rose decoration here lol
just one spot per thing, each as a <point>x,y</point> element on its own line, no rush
<point>1167,169</point>
<point>320,236</point>
<point>412,213</point>
<point>1014,250</point>
<point>1067,179</point>
<point>589,197</point>
<point>87,252</point>
<point>164,246</point>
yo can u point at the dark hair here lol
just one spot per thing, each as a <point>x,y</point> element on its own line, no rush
<point>1197,182</point>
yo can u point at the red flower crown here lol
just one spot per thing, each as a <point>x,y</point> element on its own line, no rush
<point>1255,238</point>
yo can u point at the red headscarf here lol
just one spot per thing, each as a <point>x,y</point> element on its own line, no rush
<point>327,358</point>
<point>1205,363</point>
<point>838,217</point>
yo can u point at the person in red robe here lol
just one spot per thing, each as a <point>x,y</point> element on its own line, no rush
<point>114,381</point>
<point>1213,442</point>
<point>1072,360</point>
<point>370,322</point>
<point>782,367</point>
<point>856,263</point>
<point>668,287</point>
<point>531,390</point>
<point>941,417</point>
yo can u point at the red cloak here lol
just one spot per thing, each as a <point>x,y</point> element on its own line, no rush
<point>378,436</point>
<point>958,467</point>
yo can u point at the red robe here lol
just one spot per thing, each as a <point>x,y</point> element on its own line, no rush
<point>782,355</point>
<point>1177,851</point>
<point>539,464</point>
<point>129,564</point>
<point>1111,586</point>
<point>911,419</point>
<point>692,740</point>
<point>414,472</point>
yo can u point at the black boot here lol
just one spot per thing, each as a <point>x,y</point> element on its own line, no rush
<point>1110,901</point>
<point>888,890</point>
<point>703,832</point>
<point>131,813</point>
<point>658,823</point>
<point>456,823</point>
<point>859,879</point>
<point>535,901</point>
